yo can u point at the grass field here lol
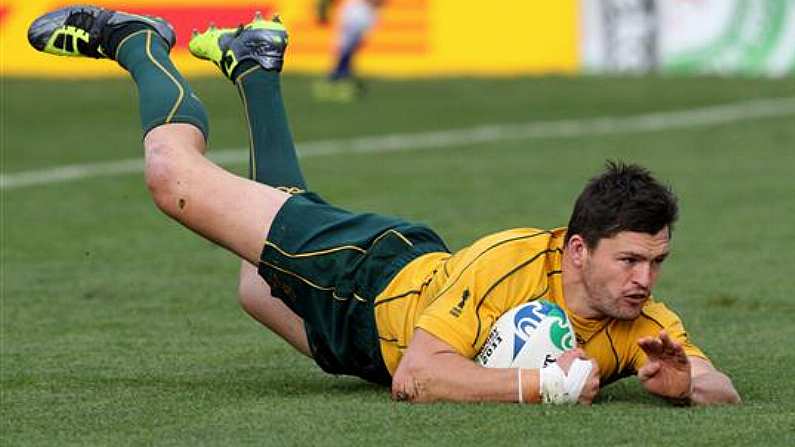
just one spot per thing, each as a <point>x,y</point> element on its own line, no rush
<point>121,328</point>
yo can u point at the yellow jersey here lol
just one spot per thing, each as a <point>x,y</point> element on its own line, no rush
<point>458,297</point>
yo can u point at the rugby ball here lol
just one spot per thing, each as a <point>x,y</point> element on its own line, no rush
<point>530,335</point>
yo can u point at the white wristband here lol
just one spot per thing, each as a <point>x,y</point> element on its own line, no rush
<point>558,388</point>
<point>519,389</point>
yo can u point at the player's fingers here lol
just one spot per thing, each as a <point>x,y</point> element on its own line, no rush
<point>676,350</point>
<point>646,341</point>
<point>589,391</point>
<point>648,370</point>
<point>565,360</point>
<point>671,347</point>
<point>680,357</point>
<point>666,341</point>
<point>587,395</point>
<point>568,357</point>
<point>651,346</point>
<point>595,369</point>
<point>595,386</point>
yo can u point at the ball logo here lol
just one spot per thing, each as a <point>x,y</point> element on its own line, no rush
<point>529,317</point>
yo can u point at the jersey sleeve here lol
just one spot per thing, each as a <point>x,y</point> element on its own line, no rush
<point>485,285</point>
<point>657,316</point>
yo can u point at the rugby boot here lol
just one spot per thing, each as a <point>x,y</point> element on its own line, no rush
<point>90,31</point>
<point>262,41</point>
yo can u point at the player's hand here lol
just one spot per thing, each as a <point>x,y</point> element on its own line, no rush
<point>591,387</point>
<point>667,371</point>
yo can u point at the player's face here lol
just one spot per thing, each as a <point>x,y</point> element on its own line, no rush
<point>620,272</point>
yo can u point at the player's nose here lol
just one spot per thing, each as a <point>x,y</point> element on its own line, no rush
<point>643,275</point>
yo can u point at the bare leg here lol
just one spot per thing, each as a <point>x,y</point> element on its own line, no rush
<point>274,162</point>
<point>257,301</point>
<point>231,211</point>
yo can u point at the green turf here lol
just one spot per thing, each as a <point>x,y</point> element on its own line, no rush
<point>118,327</point>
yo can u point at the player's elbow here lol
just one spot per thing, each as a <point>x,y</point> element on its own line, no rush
<point>723,396</point>
<point>714,388</point>
<point>732,397</point>
<point>411,382</point>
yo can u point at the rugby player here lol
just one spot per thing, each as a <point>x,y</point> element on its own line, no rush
<point>357,18</point>
<point>378,297</point>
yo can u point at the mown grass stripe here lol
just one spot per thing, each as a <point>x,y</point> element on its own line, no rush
<point>573,128</point>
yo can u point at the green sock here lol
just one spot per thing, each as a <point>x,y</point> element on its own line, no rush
<point>164,95</point>
<point>272,158</point>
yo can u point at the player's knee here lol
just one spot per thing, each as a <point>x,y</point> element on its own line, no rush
<point>161,174</point>
<point>247,295</point>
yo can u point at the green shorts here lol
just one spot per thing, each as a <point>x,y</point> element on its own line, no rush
<point>328,265</point>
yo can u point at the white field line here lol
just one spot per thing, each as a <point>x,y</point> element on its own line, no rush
<point>571,128</point>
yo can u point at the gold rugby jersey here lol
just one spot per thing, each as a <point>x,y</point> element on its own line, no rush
<point>458,297</point>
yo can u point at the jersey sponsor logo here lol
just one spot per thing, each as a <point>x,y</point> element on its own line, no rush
<point>458,308</point>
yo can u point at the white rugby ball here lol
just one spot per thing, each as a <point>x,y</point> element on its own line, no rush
<point>528,336</point>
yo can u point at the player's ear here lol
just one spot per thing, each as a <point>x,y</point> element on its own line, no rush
<point>577,249</point>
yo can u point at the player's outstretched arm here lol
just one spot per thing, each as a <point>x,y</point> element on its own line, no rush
<point>711,386</point>
<point>672,374</point>
<point>432,370</point>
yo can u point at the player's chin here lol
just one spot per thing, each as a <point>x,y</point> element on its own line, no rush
<point>629,309</point>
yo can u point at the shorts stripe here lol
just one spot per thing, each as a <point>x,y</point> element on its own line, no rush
<point>333,290</point>
<point>340,248</point>
<point>310,254</point>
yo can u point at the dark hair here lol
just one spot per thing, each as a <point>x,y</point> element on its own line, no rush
<point>622,198</point>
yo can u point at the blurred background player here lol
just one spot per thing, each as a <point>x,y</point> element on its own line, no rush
<point>323,11</point>
<point>357,18</point>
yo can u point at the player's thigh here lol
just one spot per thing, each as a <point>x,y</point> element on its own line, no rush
<point>232,211</point>
<point>256,299</point>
